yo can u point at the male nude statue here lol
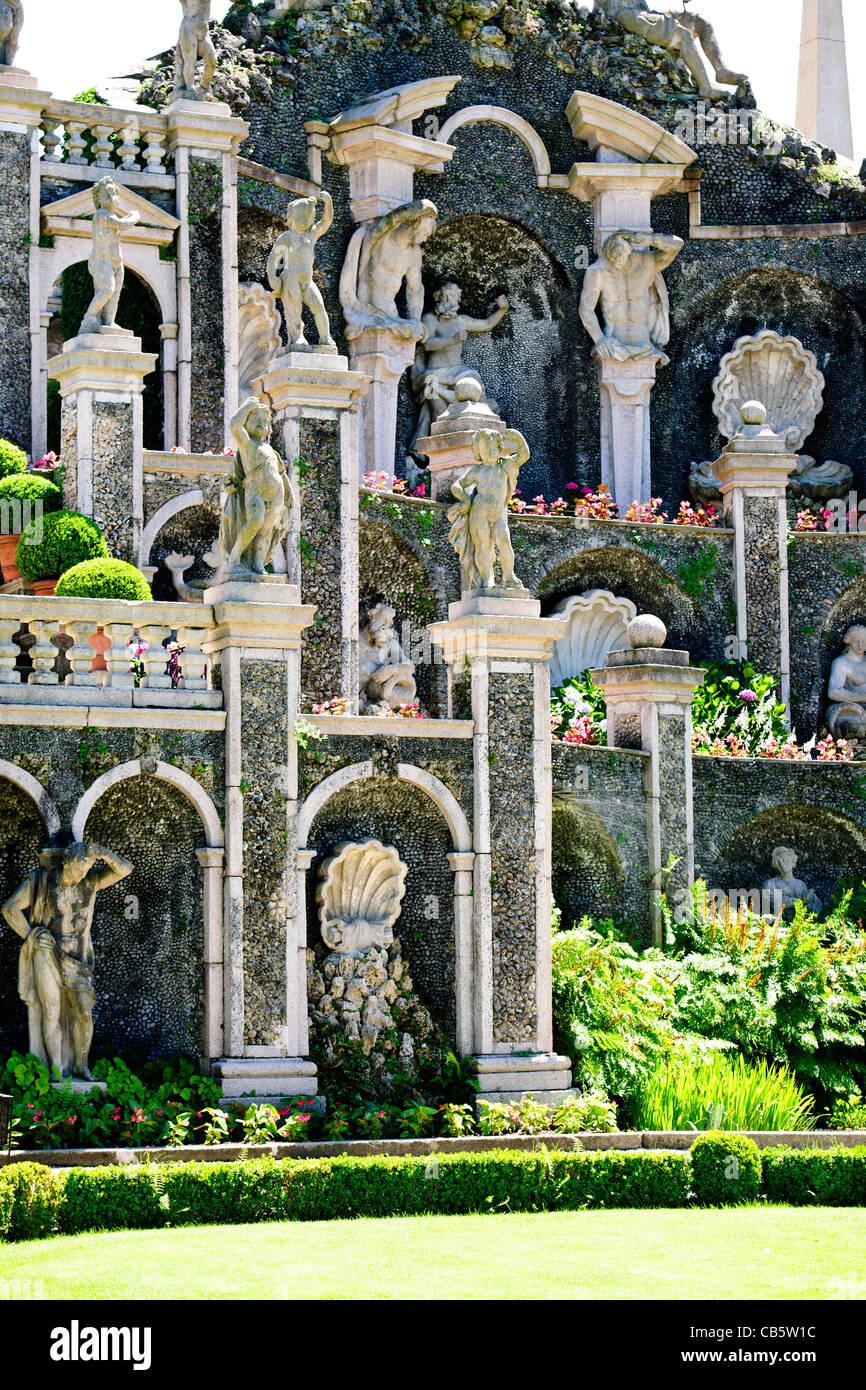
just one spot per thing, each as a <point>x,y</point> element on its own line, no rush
<point>290,270</point>
<point>479,519</point>
<point>11,22</point>
<point>55,970</point>
<point>194,43</point>
<point>106,261</point>
<point>256,517</point>
<point>439,362</point>
<point>680,34</point>
<point>627,280</point>
<point>382,255</point>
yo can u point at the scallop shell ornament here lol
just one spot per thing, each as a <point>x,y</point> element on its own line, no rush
<point>779,372</point>
<point>597,621</point>
<point>360,895</point>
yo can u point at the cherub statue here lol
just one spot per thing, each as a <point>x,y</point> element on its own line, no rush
<point>195,43</point>
<point>52,912</point>
<point>11,23</point>
<point>479,519</point>
<point>627,279</point>
<point>387,677</point>
<point>290,271</point>
<point>680,34</point>
<point>106,261</point>
<point>255,520</point>
<point>382,255</point>
<point>846,688</point>
<point>786,890</point>
<point>439,361</point>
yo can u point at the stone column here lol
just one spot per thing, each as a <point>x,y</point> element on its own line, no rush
<point>101,378</point>
<point>753,472</point>
<point>823,102</point>
<point>211,861</point>
<point>625,389</point>
<point>507,646</point>
<point>383,357</point>
<point>648,690</point>
<point>315,401</point>
<point>255,648</point>
<point>204,138</point>
<point>168,334</point>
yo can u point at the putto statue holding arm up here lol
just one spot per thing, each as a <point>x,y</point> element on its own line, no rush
<point>627,281</point>
<point>106,259</point>
<point>680,34</point>
<point>194,43</point>
<point>479,519</point>
<point>257,512</point>
<point>11,23</point>
<point>290,271</point>
<point>52,912</point>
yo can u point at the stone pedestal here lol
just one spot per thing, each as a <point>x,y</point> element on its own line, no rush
<point>255,650</point>
<point>506,646</point>
<point>753,475</point>
<point>625,389</point>
<point>383,357</point>
<point>315,400</point>
<point>649,692</point>
<point>101,378</point>
<point>448,446</point>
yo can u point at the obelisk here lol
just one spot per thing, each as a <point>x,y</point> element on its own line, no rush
<point>823,103</point>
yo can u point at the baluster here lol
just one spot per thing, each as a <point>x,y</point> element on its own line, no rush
<point>103,149</point>
<point>9,652</point>
<point>156,657</point>
<point>76,144</point>
<point>154,152</point>
<point>44,653</point>
<point>193,661</point>
<point>118,657</point>
<point>80,656</point>
<point>129,146</point>
<point>50,138</point>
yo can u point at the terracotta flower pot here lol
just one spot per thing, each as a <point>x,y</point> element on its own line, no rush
<point>8,546</point>
<point>44,587</point>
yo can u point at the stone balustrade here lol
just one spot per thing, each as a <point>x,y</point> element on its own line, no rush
<point>102,137</point>
<point>103,651</point>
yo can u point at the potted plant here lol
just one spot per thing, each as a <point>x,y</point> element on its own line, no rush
<point>53,544</point>
<point>13,462</point>
<point>23,492</point>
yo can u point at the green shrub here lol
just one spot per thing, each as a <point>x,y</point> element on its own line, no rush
<point>726,1169</point>
<point>848,1113</point>
<point>721,1092</point>
<point>104,579</point>
<point>30,1195</point>
<point>718,711</point>
<point>593,1113</point>
<point>815,1177</point>
<point>12,459</point>
<point>67,539</point>
<point>30,487</point>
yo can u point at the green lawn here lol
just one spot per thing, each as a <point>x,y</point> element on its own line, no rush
<point>747,1253</point>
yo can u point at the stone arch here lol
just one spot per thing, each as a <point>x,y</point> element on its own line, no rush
<point>35,790</point>
<point>445,800</point>
<point>500,115</point>
<point>166,772</point>
<point>189,526</point>
<point>194,498</point>
<point>588,877</point>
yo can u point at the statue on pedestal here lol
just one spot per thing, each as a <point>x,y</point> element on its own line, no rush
<point>55,970</point>
<point>785,890</point>
<point>11,23</point>
<point>194,44</point>
<point>106,259</point>
<point>439,363</point>
<point>256,517</point>
<point>627,281</point>
<point>290,271</point>
<point>846,688</point>
<point>680,34</point>
<point>382,255</point>
<point>479,519</point>
<point>387,676</point>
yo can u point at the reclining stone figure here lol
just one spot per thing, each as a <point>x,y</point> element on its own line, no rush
<point>680,34</point>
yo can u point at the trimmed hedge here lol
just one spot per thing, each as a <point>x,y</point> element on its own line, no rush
<point>104,579</point>
<point>67,539</point>
<point>12,459</point>
<point>30,487</point>
<point>815,1177</point>
<point>726,1168</point>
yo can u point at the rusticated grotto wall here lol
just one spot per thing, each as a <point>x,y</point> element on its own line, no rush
<point>15,311</point>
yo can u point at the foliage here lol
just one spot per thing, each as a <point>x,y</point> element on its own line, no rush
<point>495,1117</point>
<point>721,1092</point>
<point>104,579</point>
<point>849,1112</point>
<point>67,539</point>
<point>695,575</point>
<point>416,1121</point>
<point>815,1177</point>
<point>455,1120</point>
<point>734,700</point>
<point>578,713</point>
<point>12,459</point>
<point>726,1169</point>
<point>30,487</point>
<point>592,1113</point>
<point>29,1199</point>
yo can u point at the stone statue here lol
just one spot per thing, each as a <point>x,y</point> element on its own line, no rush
<point>382,255</point>
<point>680,34</point>
<point>290,271</point>
<point>255,520</point>
<point>846,688</point>
<point>11,22</point>
<point>439,362</point>
<point>55,969</point>
<point>786,890</point>
<point>479,519</point>
<point>106,259</point>
<point>194,43</point>
<point>387,676</point>
<point>627,279</point>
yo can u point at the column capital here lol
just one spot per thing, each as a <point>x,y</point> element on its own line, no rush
<point>210,857</point>
<point>649,676</point>
<point>259,617</point>
<point>101,362</point>
<point>497,629</point>
<point>22,104</point>
<point>207,126</point>
<point>307,382</point>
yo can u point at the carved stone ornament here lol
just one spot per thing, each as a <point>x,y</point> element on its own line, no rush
<point>360,895</point>
<point>779,372</point>
<point>597,623</point>
<point>258,336</point>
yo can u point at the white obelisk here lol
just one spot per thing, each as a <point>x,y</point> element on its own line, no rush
<point>823,103</point>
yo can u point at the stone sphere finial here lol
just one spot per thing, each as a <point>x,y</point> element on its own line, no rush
<point>646,630</point>
<point>468,389</point>
<point>753,413</point>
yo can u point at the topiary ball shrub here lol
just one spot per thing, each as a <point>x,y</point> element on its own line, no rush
<point>30,487</point>
<point>726,1169</point>
<point>104,579</point>
<point>51,545</point>
<point>29,1200</point>
<point>12,459</point>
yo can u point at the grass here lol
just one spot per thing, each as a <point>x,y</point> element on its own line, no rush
<point>743,1253</point>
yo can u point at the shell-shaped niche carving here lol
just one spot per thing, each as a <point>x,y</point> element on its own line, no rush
<point>360,893</point>
<point>780,373</point>
<point>597,621</point>
<point>258,335</point>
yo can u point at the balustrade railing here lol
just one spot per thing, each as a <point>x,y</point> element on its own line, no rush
<point>103,137</point>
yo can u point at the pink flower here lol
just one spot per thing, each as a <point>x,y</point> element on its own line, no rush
<point>748,696</point>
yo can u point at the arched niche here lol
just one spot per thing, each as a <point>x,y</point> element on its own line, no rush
<point>820,645</point>
<point>192,529</point>
<point>588,877</point>
<point>24,829</point>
